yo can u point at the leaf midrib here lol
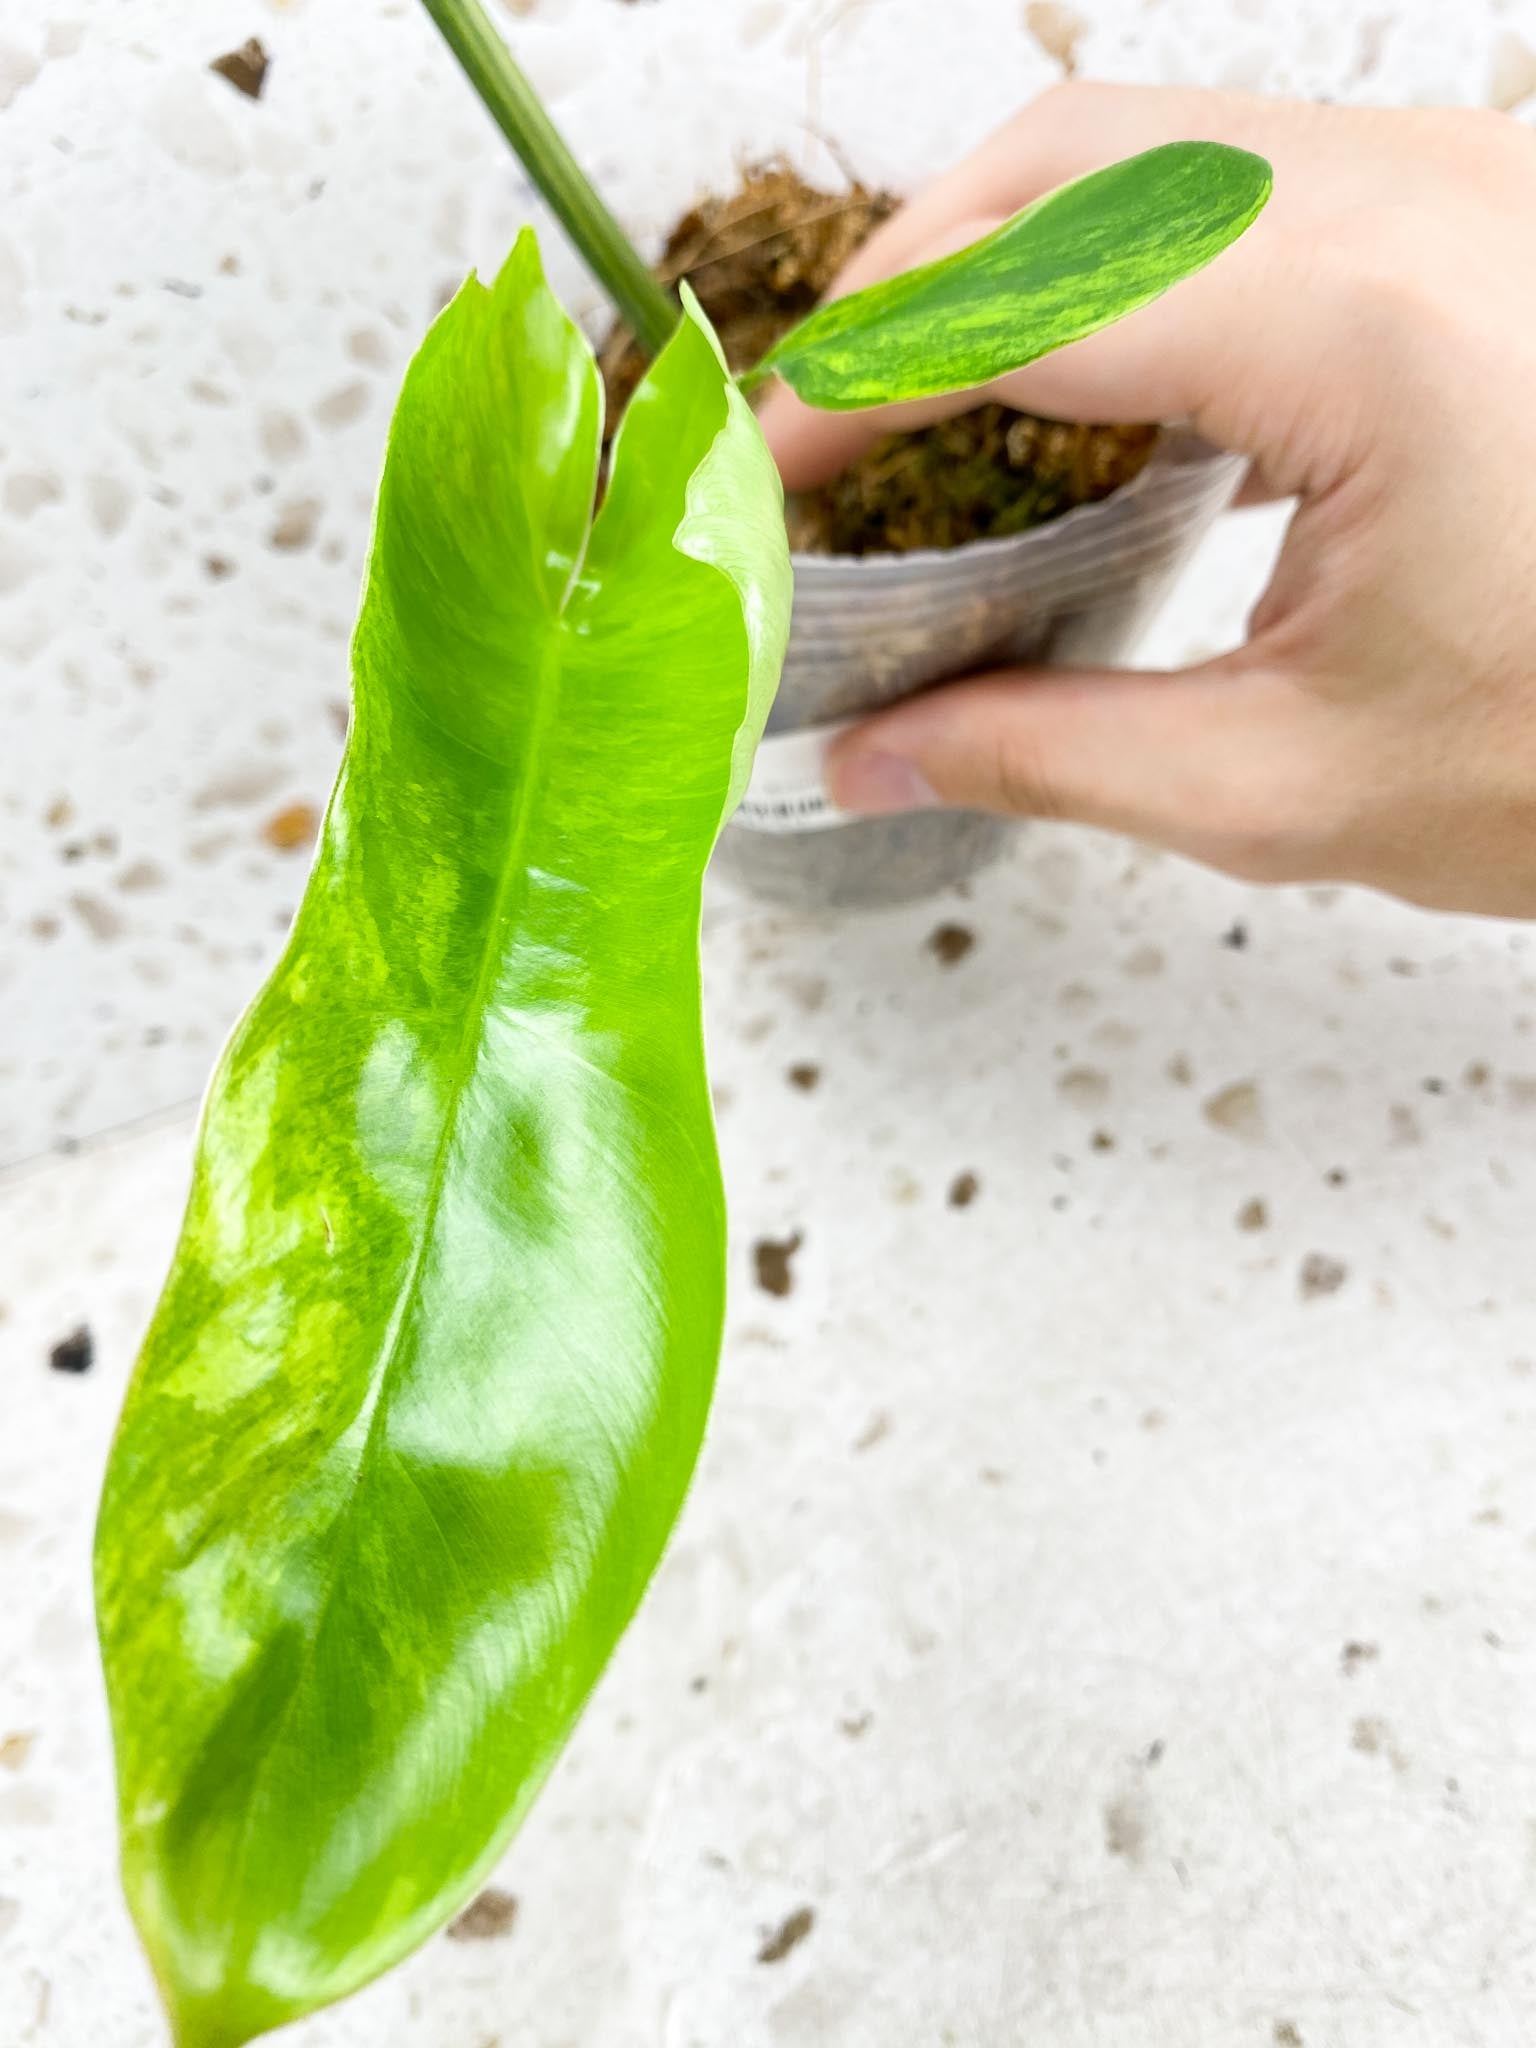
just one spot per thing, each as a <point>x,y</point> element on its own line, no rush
<point>514,873</point>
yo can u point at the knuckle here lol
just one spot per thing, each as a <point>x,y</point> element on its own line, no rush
<point>1296,828</point>
<point>1024,784</point>
<point>1480,139</point>
<point>1255,852</point>
<point>1375,244</point>
<point>1390,270</point>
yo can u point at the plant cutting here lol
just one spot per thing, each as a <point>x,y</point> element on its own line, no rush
<point>928,557</point>
<point>421,1399</point>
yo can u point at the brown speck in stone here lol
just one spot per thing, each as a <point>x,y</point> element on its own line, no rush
<point>1057,28</point>
<point>244,783</point>
<point>1478,1074</point>
<point>1155,1753</point>
<point>1235,938</point>
<point>1336,1177</point>
<point>1321,1275</point>
<point>855,1725</point>
<point>1433,1085</point>
<point>771,1258</point>
<point>1113,1035</point>
<point>1254,1214</point>
<point>699,1684</point>
<point>787,1935</point>
<point>807,991</point>
<point>1288,2035</point>
<point>1237,1109</point>
<point>1179,1071</point>
<point>804,1075</point>
<point>992,1475</point>
<point>1405,1126</point>
<point>291,828</point>
<point>368,345</point>
<point>1368,1735</point>
<point>218,568</point>
<point>341,407</point>
<point>15,1749</point>
<point>1353,1655</point>
<point>73,1353</point>
<point>1103,1141</point>
<point>245,68</point>
<point>1521,1090</point>
<point>1153,1419</point>
<point>60,812</point>
<point>140,875</point>
<point>1405,970</point>
<point>963,1190</point>
<point>1083,1087</point>
<point>295,525</point>
<point>99,919</point>
<point>949,943</point>
<point>874,1431</point>
<point>492,1913</point>
<point>281,435</point>
<point>1125,1829</point>
<point>1145,962</point>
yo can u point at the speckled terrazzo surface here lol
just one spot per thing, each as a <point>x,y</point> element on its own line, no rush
<point>1107,1611</point>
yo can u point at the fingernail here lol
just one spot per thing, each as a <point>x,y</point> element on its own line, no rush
<point>878,783</point>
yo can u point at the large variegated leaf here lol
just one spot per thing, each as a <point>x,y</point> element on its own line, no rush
<point>1078,259</point>
<point>427,1382</point>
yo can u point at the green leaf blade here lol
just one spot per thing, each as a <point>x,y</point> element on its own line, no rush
<point>1073,262</point>
<point>428,1379</point>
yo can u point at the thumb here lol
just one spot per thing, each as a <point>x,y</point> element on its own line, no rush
<point>1215,762</point>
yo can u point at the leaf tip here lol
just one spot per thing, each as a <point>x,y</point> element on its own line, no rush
<point>695,315</point>
<point>523,267</point>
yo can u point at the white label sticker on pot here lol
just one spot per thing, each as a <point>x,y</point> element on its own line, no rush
<point>788,790</point>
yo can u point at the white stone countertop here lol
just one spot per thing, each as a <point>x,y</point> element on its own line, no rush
<point>1106,1613</point>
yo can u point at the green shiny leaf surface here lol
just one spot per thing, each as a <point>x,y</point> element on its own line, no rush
<point>1071,263</point>
<point>427,1382</point>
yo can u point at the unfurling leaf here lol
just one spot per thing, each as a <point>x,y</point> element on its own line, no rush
<point>1066,266</point>
<point>423,1394</point>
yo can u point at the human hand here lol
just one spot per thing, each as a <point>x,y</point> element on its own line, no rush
<point>1371,345</point>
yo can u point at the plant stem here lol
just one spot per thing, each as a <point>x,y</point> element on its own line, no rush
<point>649,311</point>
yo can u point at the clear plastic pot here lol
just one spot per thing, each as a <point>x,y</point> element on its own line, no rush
<point>870,629</point>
